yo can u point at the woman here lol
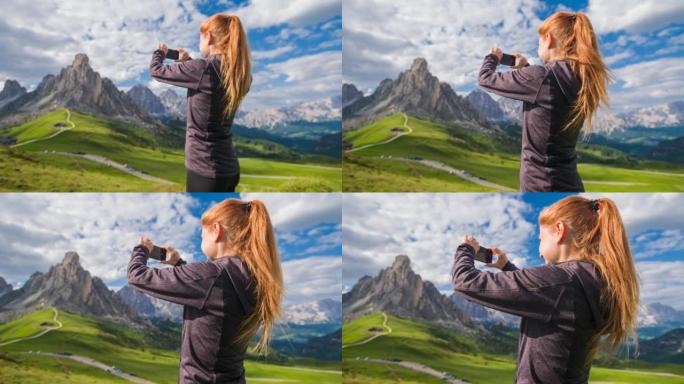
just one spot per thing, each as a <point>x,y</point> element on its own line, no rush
<point>585,296</point>
<point>226,298</point>
<point>216,85</point>
<point>558,97</point>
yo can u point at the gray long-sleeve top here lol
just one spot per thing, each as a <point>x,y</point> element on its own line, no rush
<point>548,160</point>
<point>560,309</point>
<point>209,149</point>
<point>216,296</point>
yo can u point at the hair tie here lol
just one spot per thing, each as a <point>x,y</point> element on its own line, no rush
<point>594,205</point>
<point>248,206</point>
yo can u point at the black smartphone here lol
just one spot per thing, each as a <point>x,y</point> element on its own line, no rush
<point>484,255</point>
<point>158,253</point>
<point>172,54</point>
<point>506,59</point>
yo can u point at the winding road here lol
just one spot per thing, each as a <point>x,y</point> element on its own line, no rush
<point>41,333</point>
<point>96,364</point>
<point>463,175</point>
<point>391,139</point>
<point>68,120</point>
<point>419,368</point>
<point>113,164</point>
<point>384,324</point>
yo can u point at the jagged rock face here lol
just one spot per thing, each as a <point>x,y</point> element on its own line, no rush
<point>148,306</point>
<point>483,103</point>
<point>174,105</point>
<point>146,99</point>
<point>80,88</point>
<point>68,286</point>
<point>11,91</point>
<point>416,92</point>
<point>350,93</point>
<point>400,291</point>
<point>4,287</point>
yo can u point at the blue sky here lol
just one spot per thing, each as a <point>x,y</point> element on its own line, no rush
<point>642,41</point>
<point>296,45</point>
<point>429,226</point>
<point>37,229</point>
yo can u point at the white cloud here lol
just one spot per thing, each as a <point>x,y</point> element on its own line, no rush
<point>272,53</point>
<point>428,228</point>
<point>265,13</point>
<point>303,78</point>
<point>37,229</point>
<point>634,15</point>
<point>294,211</point>
<point>647,211</point>
<point>657,81</point>
<point>312,278</point>
<point>662,282</point>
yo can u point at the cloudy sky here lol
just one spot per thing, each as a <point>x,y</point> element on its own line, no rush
<point>642,41</point>
<point>296,44</point>
<point>37,229</point>
<point>429,226</point>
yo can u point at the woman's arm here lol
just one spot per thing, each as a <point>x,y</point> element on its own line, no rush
<point>533,292</point>
<point>185,284</point>
<point>186,74</point>
<point>519,84</point>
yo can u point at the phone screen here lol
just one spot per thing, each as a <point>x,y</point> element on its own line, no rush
<point>484,255</point>
<point>507,59</point>
<point>172,54</point>
<point>158,253</point>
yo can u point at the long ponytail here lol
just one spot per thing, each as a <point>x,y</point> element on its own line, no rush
<point>598,234</point>
<point>578,44</point>
<point>250,232</point>
<point>236,66</point>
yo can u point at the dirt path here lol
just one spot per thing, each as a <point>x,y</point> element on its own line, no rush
<point>96,364</point>
<point>111,163</point>
<point>384,324</point>
<point>391,139</point>
<point>463,175</point>
<point>68,120</point>
<point>41,333</point>
<point>419,368</point>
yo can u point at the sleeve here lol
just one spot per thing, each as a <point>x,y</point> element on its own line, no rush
<point>532,292</point>
<point>185,284</point>
<point>519,84</point>
<point>186,74</point>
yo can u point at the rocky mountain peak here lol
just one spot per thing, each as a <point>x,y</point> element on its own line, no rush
<point>402,263</point>
<point>71,260</point>
<point>12,86</point>
<point>420,65</point>
<point>81,61</point>
<point>400,291</point>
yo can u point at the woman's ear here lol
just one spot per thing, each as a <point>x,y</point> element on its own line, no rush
<point>550,41</point>
<point>217,229</point>
<point>560,232</point>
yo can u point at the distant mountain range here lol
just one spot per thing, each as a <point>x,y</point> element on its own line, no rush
<point>68,286</point>
<point>77,86</point>
<point>416,92</point>
<point>324,311</point>
<point>400,291</point>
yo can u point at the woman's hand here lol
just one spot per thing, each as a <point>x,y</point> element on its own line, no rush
<point>470,240</point>
<point>496,51</point>
<point>162,47</point>
<point>501,259</point>
<point>520,61</point>
<point>172,256</point>
<point>183,55</point>
<point>147,243</point>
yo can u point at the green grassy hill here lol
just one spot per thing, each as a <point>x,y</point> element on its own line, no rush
<point>150,354</point>
<point>384,167</point>
<point>465,357</point>
<point>38,162</point>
